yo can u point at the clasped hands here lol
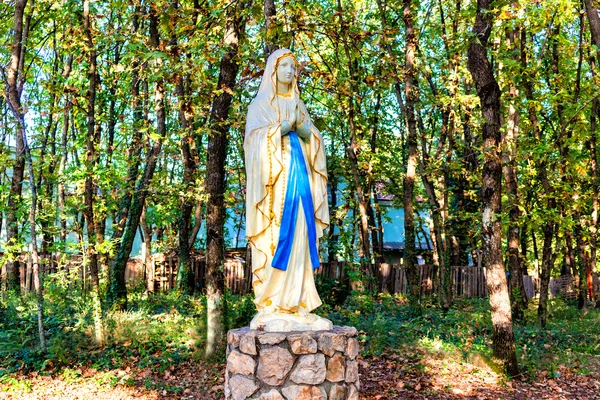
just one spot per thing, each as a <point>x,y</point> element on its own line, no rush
<point>294,123</point>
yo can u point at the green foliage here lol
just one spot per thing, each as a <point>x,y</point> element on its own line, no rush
<point>388,324</point>
<point>570,338</point>
<point>157,330</point>
<point>164,329</point>
<point>240,310</point>
<point>349,60</point>
<point>333,292</point>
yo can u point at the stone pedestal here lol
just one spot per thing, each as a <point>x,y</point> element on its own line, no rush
<point>309,365</point>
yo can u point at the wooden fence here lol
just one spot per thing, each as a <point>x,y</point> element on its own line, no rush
<point>391,278</point>
<point>161,274</point>
<point>164,272</point>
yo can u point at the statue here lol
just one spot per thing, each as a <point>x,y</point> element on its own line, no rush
<point>286,201</point>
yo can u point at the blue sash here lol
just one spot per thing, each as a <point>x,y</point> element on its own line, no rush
<point>298,189</point>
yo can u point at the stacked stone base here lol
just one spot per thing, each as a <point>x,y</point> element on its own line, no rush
<point>309,365</point>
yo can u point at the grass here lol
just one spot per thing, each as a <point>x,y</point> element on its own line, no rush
<point>387,324</point>
<point>162,330</point>
<point>156,331</point>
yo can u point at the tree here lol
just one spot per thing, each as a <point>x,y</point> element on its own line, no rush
<point>271,31</point>
<point>411,94</point>
<point>591,8</point>
<point>190,165</point>
<point>353,150</point>
<point>489,96</point>
<point>215,176</point>
<point>15,82</point>
<point>117,291</point>
<point>93,137</point>
<point>517,293</point>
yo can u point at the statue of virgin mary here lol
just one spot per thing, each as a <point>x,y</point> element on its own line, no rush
<point>286,201</point>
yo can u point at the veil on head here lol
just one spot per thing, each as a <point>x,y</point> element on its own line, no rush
<point>268,86</point>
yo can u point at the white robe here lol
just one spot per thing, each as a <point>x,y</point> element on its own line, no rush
<point>267,162</point>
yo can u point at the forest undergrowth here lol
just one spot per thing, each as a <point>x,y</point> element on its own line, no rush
<point>155,348</point>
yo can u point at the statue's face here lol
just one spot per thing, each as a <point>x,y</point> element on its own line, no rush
<point>286,70</point>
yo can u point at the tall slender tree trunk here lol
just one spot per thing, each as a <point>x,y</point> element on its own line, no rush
<point>450,236</point>
<point>215,180</point>
<point>362,195</point>
<point>370,195</point>
<point>117,289</point>
<point>62,163</point>
<point>467,205</point>
<point>90,186</point>
<point>134,152</point>
<point>411,94</point>
<point>15,82</point>
<point>148,259</point>
<point>61,173</point>
<point>190,162</point>
<point>591,7</point>
<point>517,293</point>
<point>14,88</point>
<point>592,144</point>
<point>45,181</point>
<point>541,169</point>
<point>190,165</point>
<point>439,260</point>
<point>582,260</point>
<point>37,277</point>
<point>570,265</point>
<point>489,96</point>
<point>333,237</point>
<point>197,224</point>
<point>109,150</point>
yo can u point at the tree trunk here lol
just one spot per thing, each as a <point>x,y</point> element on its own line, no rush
<point>489,96</point>
<point>45,180</point>
<point>353,151</point>
<point>440,261</point>
<point>466,204</point>
<point>583,261</point>
<point>14,80</point>
<point>184,284</point>
<point>197,224</point>
<point>333,237</point>
<point>517,293</point>
<point>134,151</point>
<point>546,268</point>
<point>90,186</point>
<point>37,278</point>
<point>215,181</point>
<point>148,259</point>
<point>61,172</point>
<point>591,7</point>
<point>371,195</point>
<point>438,207</point>
<point>271,31</point>
<point>185,281</point>
<point>595,189</point>
<point>570,265</point>
<point>411,94</point>
<point>548,226</point>
<point>117,290</point>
